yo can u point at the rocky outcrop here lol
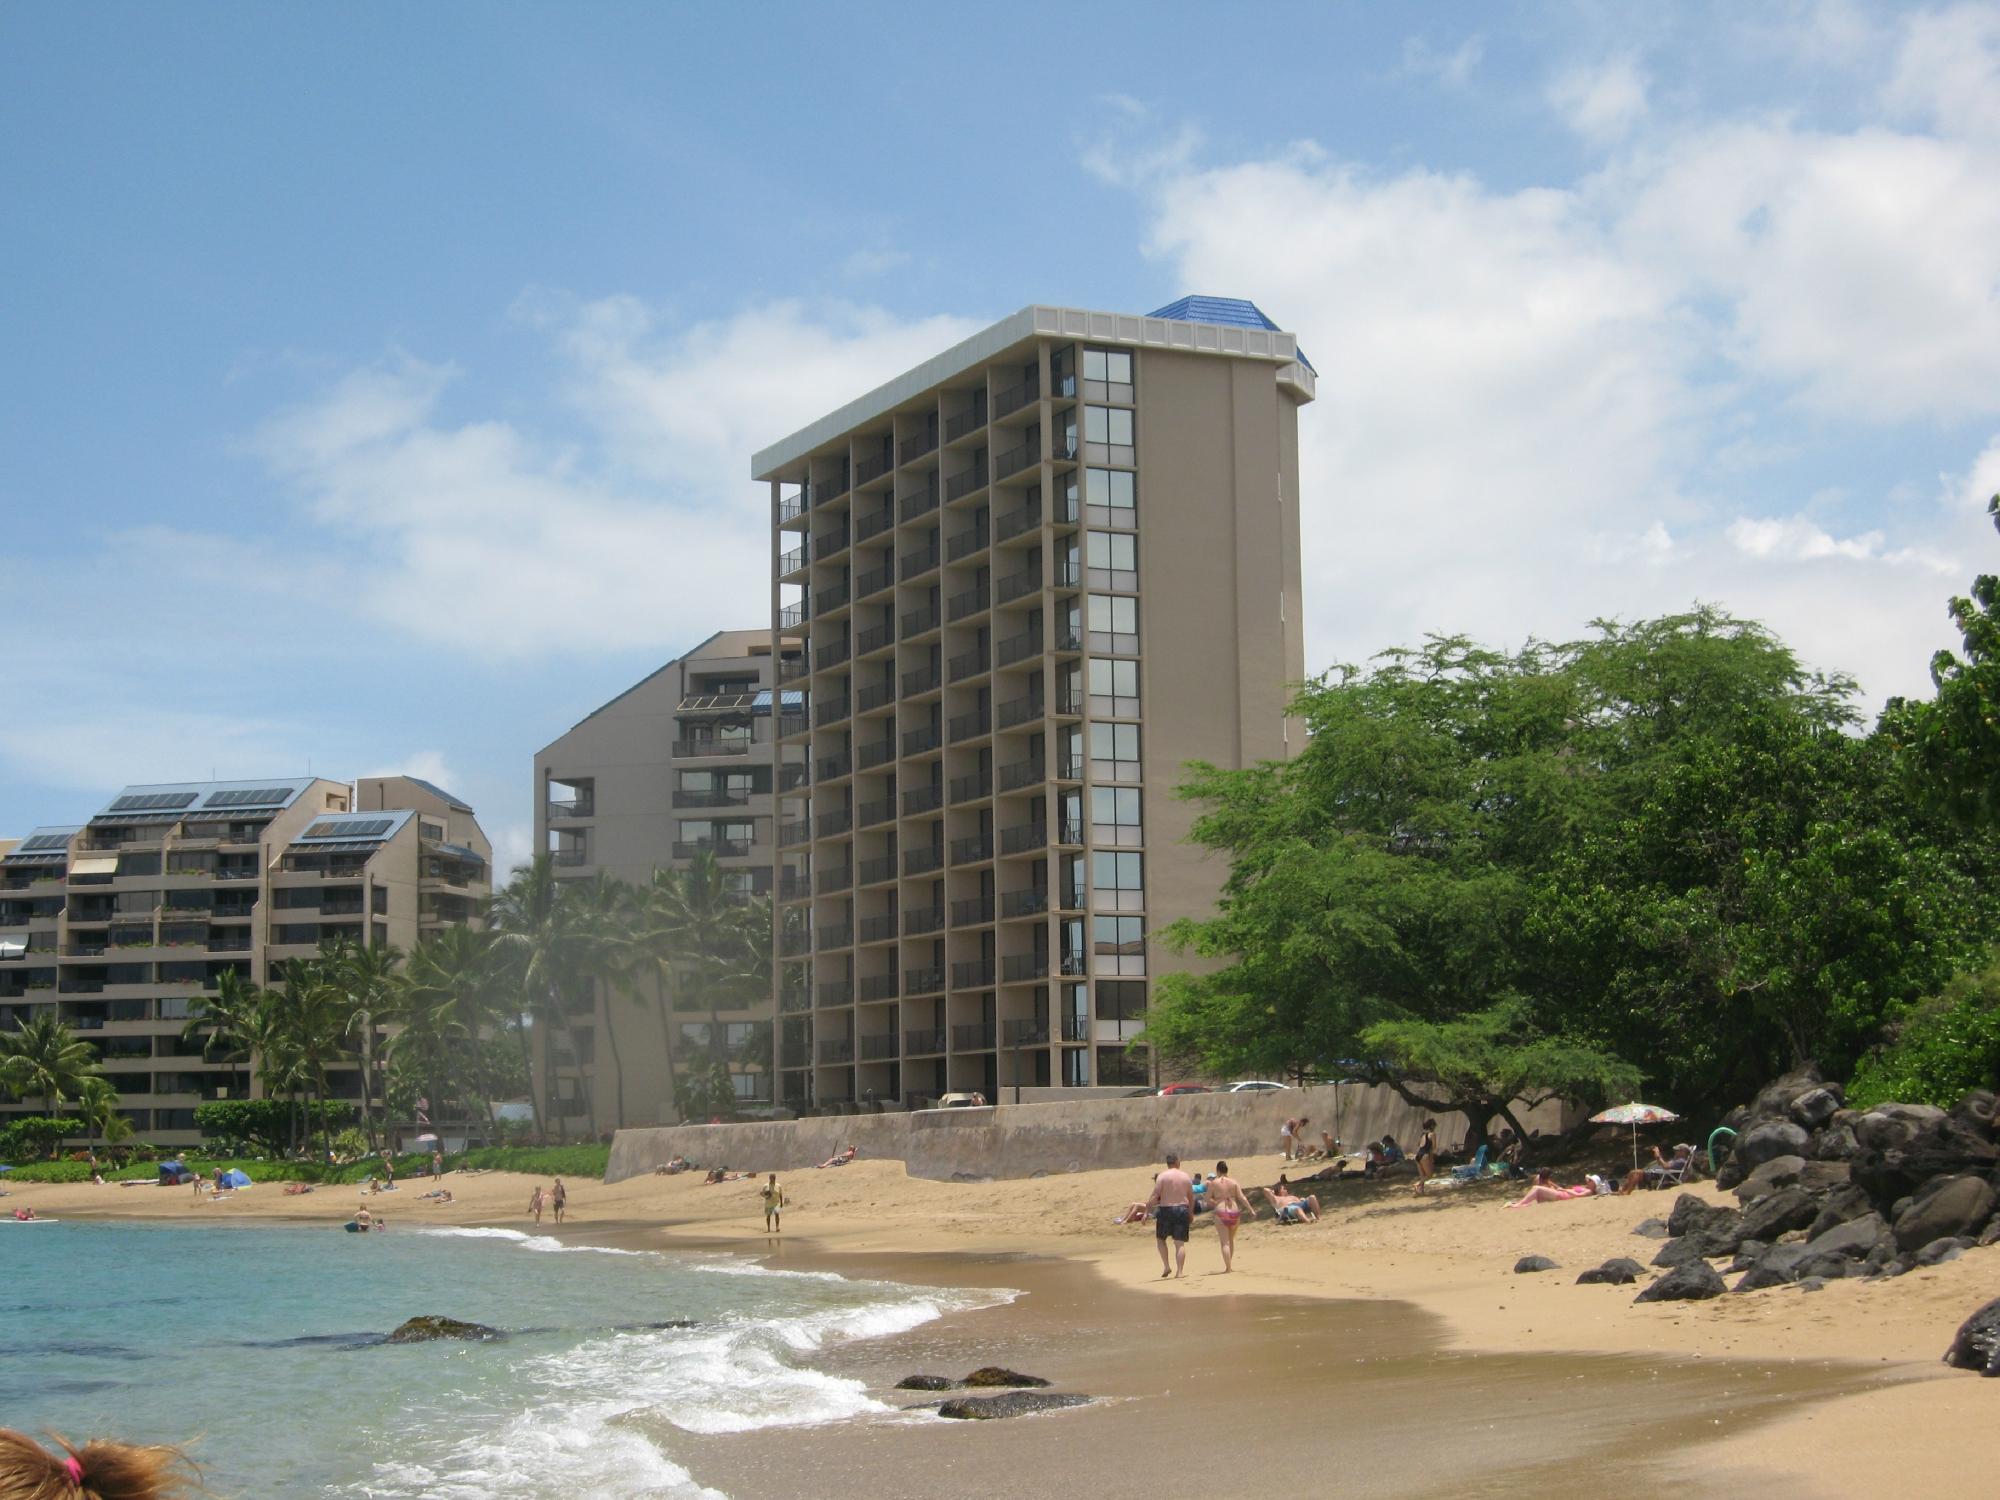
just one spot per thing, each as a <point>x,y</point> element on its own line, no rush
<point>1528,1263</point>
<point>1945,1208</point>
<point>1651,1229</point>
<point>992,1375</point>
<point>1011,1404</point>
<point>1977,1344</point>
<point>1620,1270</point>
<point>926,1383</point>
<point>1694,1282</point>
<point>423,1330</point>
<point>1778,1172</point>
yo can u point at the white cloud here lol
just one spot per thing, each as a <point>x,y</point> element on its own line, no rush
<point>1602,101</point>
<point>1796,539</point>
<point>1453,69</point>
<point>425,765</point>
<point>489,538</point>
<point>513,844</point>
<point>1947,71</point>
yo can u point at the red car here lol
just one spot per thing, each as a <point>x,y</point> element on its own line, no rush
<point>1184,1088</point>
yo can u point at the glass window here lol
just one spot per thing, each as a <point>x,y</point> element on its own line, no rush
<point>1075,1060</point>
<point>1114,752</point>
<point>1114,815</point>
<point>1074,959</point>
<point>1114,688</point>
<point>1114,624</point>
<point>1113,559</point>
<point>1069,753</point>
<point>1069,894</point>
<point>1118,880</point>
<point>1113,366</point>
<point>1120,1000</point>
<point>1118,945</point>
<point>1114,489</point>
<point>1108,424</point>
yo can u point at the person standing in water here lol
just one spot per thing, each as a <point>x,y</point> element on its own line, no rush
<point>535,1203</point>
<point>774,1203</point>
<point>1230,1205</point>
<point>559,1199</point>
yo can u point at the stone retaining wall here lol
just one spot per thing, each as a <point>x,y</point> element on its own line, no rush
<point>1031,1140</point>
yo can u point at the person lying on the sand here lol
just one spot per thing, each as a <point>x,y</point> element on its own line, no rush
<point>1290,1207</point>
<point>437,1195</point>
<point>723,1174</point>
<point>672,1168</point>
<point>293,1189</point>
<point>1546,1190</point>
<point>838,1159</point>
<point>1135,1213</point>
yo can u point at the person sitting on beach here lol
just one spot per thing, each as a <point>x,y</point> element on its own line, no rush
<point>672,1168</point>
<point>1135,1213</point>
<point>1511,1151</point>
<point>839,1158</point>
<point>1289,1206</point>
<point>98,1470</point>
<point>293,1189</point>
<point>1546,1190</point>
<point>1200,1191</point>
<point>24,1215</point>
<point>1662,1169</point>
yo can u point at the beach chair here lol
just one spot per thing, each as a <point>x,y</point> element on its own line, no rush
<point>1675,1172</point>
<point>1473,1170</point>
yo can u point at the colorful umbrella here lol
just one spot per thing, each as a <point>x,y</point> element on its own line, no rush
<point>1634,1115</point>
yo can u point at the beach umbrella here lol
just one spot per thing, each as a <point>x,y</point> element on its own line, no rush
<point>236,1178</point>
<point>1634,1115</point>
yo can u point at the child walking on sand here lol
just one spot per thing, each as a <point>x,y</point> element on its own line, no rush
<point>535,1203</point>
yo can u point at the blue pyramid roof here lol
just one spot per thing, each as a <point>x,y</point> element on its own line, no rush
<point>1233,312</point>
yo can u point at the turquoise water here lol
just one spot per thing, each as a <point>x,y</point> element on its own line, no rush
<point>258,1343</point>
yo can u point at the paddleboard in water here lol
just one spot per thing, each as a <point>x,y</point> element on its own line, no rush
<point>10,1219</point>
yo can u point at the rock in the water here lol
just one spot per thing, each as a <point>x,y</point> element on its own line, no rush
<point>990,1375</point>
<point>1693,1282</point>
<point>1947,1208</point>
<point>1937,1252</point>
<point>1782,1212</point>
<point>1652,1229</point>
<point>424,1329</point>
<point>1840,1206</point>
<point>1977,1344</point>
<point>1620,1270</point>
<point>1774,1138</point>
<point>1011,1404</point>
<point>1778,1172</point>
<point>925,1383</point>
<point>1815,1107</point>
<point>1529,1263</point>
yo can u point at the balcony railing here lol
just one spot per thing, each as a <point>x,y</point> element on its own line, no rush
<point>875,695</point>
<point>922,680</point>
<point>832,824</point>
<point>687,748</point>
<point>1076,1028</point>
<point>1017,711</point>
<point>918,563</point>
<point>874,580</point>
<point>1014,460</point>
<point>834,992</point>
<point>832,654</point>
<point>836,935</point>
<point>911,449</point>
<point>833,767</point>
<point>878,929</point>
<point>1067,639</point>
<point>1023,1033</point>
<point>872,755</point>
<point>971,849</point>
<point>1014,585</point>
<point>923,1040</point>
<point>1015,397</point>
<point>966,664</point>
<point>971,788</point>
<point>972,975</point>
<point>830,597</point>
<point>921,741</point>
<point>574,807</point>
<point>966,482</point>
<point>834,880</point>
<point>877,987</point>
<point>878,869</point>
<point>970,726</point>
<point>972,912</point>
<point>795,944</point>
<point>794,886</point>
<point>833,710</point>
<point>794,1054</point>
<point>966,422</point>
<point>874,638</point>
<point>792,669</point>
<point>879,811</point>
<point>1031,902</point>
<point>720,848</point>
<point>569,858</point>
<point>870,469</point>
<point>794,560</point>
<point>966,543</point>
<point>1018,647</point>
<point>920,920</point>
<point>832,489</point>
<point>922,799</point>
<point>922,861</point>
<point>971,602</point>
<point>920,621</point>
<point>711,799</point>
<point>1075,964</point>
<point>875,522</point>
<point>837,1050</point>
<point>791,507</point>
<point>978,1037</point>
<point>1069,831</point>
<point>922,981</point>
<point>1025,966</point>
<point>1011,525</point>
<point>1028,836</point>
<point>878,1045</point>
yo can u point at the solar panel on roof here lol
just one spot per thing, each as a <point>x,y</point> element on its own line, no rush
<point>259,797</point>
<point>350,828</point>
<point>152,801</point>
<point>44,841</point>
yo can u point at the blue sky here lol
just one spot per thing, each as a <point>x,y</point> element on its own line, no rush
<point>379,382</point>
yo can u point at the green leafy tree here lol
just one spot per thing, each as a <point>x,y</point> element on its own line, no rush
<point>1940,1050</point>
<point>452,1005</point>
<point>45,1060</point>
<point>536,933</point>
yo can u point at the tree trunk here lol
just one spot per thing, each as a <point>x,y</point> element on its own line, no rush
<point>617,1064</point>
<point>534,1088</point>
<point>666,1040</point>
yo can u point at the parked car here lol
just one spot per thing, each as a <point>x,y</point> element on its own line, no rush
<point>961,1101</point>
<point>1255,1085</point>
<point>1183,1088</point>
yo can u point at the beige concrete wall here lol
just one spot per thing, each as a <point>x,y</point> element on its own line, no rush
<point>1031,1140</point>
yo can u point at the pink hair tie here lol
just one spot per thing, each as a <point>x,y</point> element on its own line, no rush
<point>73,1466</point>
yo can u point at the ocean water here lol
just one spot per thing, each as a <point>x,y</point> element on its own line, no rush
<point>258,1343</point>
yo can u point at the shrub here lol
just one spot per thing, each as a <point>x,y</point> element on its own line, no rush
<point>1942,1049</point>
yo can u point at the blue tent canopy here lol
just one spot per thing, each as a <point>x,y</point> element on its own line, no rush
<point>235,1177</point>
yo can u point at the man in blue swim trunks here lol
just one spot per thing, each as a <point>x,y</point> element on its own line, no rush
<point>1173,1210</point>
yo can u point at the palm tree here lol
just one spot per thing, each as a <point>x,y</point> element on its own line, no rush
<point>313,1015</point>
<point>654,939</point>
<point>612,953</point>
<point>450,992</point>
<point>246,1022</point>
<point>45,1058</point>
<point>719,944</point>
<point>98,1103</point>
<point>532,918</point>
<point>366,978</point>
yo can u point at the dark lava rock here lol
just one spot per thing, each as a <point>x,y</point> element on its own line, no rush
<point>1840,1206</point>
<point>1685,1251</point>
<point>1888,1126</point>
<point>1992,1234</point>
<point>1690,1211</point>
<point>1815,1107</point>
<point>423,1330</point>
<point>1826,1267</point>
<point>1693,1282</point>
<point>1977,1344</point>
<point>1852,1240</point>
<point>1652,1229</point>
<point>1774,1138</point>
<point>1947,1208</point>
<point>1778,1172</point>
<point>990,1375</point>
<point>1782,1212</point>
<point>1529,1263</point>
<point>1980,1110</point>
<point>925,1383</point>
<point>1774,1100</point>
<point>1937,1252</point>
<point>1813,1284</point>
<point>1618,1271</point>
<point>1833,1141</point>
<point>1825,1176</point>
<point>1777,1266</point>
<point>1012,1404</point>
<point>1748,1254</point>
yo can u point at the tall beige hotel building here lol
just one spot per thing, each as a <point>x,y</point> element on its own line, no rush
<point>1026,583</point>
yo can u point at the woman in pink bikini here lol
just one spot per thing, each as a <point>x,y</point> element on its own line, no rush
<point>1546,1191</point>
<point>1230,1207</point>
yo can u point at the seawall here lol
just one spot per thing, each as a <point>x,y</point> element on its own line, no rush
<point>1031,1140</point>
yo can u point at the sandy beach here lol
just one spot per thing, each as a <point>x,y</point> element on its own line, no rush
<point>1823,1394</point>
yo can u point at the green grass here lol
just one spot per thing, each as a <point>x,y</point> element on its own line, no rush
<point>544,1161</point>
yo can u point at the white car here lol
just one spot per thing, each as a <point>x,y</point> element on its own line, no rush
<point>1255,1085</point>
